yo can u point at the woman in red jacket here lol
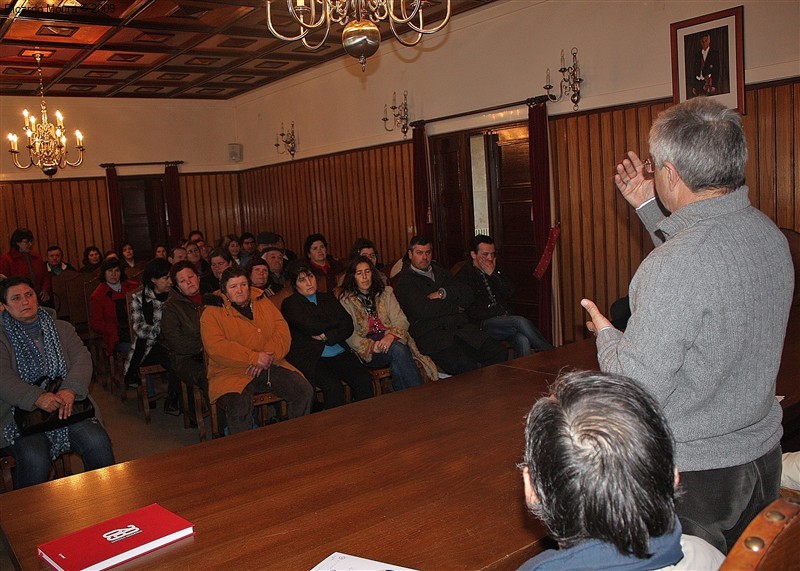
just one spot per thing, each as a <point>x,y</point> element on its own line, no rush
<point>21,261</point>
<point>108,312</point>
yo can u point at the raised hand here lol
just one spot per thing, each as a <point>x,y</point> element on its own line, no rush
<point>633,182</point>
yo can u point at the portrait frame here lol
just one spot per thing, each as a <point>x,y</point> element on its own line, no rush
<point>723,30</point>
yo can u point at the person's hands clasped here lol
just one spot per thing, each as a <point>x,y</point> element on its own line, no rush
<point>48,402</point>
<point>67,398</point>
<point>383,345</point>
<point>633,182</point>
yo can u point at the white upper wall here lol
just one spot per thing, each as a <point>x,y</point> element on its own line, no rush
<point>489,56</point>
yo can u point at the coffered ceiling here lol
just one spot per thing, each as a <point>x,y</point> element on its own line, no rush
<point>194,49</point>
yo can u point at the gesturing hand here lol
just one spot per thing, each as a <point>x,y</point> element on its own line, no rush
<point>632,181</point>
<point>598,320</point>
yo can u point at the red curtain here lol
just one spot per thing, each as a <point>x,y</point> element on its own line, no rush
<point>422,218</point>
<point>114,206</point>
<point>540,187</point>
<point>172,198</point>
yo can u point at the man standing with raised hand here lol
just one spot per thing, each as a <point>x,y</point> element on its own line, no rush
<point>709,308</point>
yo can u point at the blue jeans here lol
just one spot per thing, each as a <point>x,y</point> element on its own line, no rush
<point>401,364</point>
<point>519,331</point>
<point>32,453</point>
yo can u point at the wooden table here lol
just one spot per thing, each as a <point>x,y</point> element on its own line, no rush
<point>424,478</point>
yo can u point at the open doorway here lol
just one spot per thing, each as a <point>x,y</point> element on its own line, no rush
<point>144,221</point>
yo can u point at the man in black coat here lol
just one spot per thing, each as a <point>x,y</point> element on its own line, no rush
<point>434,303</point>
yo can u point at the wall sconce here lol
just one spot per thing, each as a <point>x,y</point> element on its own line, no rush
<point>570,81</point>
<point>399,114</point>
<point>289,141</point>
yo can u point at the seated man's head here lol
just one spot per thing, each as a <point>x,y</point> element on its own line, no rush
<point>599,463</point>
<point>420,252</point>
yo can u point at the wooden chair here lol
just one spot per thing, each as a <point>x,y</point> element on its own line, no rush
<point>62,467</point>
<point>261,402</point>
<point>6,463</point>
<point>278,298</point>
<point>771,541</point>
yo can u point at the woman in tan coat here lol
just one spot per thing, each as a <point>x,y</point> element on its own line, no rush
<point>380,335</point>
<point>246,340</point>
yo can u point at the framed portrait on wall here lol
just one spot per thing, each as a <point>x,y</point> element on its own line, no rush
<point>708,58</point>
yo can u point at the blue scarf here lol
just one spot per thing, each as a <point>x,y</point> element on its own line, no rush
<point>32,365</point>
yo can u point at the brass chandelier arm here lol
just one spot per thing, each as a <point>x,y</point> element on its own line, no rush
<point>400,39</point>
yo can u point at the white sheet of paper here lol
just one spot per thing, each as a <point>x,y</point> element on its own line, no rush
<point>343,562</point>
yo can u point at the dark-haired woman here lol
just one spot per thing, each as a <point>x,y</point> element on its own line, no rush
<point>20,260</point>
<point>108,312</point>
<point>146,310</point>
<point>323,265</point>
<point>320,327</point>
<point>380,328</point>
<point>92,258</point>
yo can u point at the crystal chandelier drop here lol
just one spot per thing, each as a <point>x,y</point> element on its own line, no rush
<point>47,143</point>
<point>361,36</point>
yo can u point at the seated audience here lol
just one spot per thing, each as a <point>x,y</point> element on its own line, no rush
<point>177,254</point>
<point>248,243</point>
<point>320,327</point>
<point>55,261</point>
<point>258,271</point>
<point>380,328</point>
<point>599,472</point>
<point>127,256</point>
<point>322,264</point>
<point>219,261</point>
<point>195,235</point>
<point>111,254</point>
<point>20,260</point>
<point>146,311</point>
<point>492,291</point>
<point>434,303</point>
<point>108,311</point>
<point>202,267</point>
<point>246,339</point>
<point>34,345</point>
<point>92,258</point>
<point>205,250</point>
<point>277,269</point>
<point>180,329</point>
<point>160,251</point>
<point>231,244</point>
<point>365,247</point>
<point>271,239</point>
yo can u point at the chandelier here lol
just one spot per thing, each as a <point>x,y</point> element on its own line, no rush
<point>46,142</point>
<point>361,36</point>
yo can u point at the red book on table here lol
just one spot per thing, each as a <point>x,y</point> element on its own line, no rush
<point>116,540</point>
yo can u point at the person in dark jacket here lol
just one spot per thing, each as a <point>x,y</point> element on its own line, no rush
<point>492,291</point>
<point>320,327</point>
<point>434,303</point>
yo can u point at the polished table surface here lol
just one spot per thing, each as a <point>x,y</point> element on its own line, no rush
<point>424,478</point>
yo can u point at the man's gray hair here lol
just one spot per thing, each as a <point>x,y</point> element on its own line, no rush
<point>704,140</point>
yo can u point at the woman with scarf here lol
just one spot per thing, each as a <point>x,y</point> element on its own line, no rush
<point>146,310</point>
<point>380,334</point>
<point>34,345</point>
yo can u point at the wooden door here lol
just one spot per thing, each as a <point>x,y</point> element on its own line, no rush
<point>452,197</point>
<point>511,198</point>
<point>144,221</point>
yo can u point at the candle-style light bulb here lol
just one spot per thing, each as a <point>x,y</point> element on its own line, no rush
<point>562,59</point>
<point>79,138</point>
<point>60,118</point>
<point>25,114</point>
<point>547,81</point>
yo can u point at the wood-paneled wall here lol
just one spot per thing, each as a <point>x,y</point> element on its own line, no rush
<point>366,192</point>
<point>602,241</point>
<point>72,213</point>
<point>211,202</point>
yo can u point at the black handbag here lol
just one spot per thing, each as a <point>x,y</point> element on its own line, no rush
<point>38,420</point>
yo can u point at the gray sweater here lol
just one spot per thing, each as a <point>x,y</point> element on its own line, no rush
<point>709,311</point>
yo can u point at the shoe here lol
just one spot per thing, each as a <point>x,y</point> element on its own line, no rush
<point>172,408</point>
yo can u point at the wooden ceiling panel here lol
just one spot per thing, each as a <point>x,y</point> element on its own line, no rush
<point>204,49</point>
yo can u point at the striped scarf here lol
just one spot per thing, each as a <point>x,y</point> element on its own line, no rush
<point>31,367</point>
